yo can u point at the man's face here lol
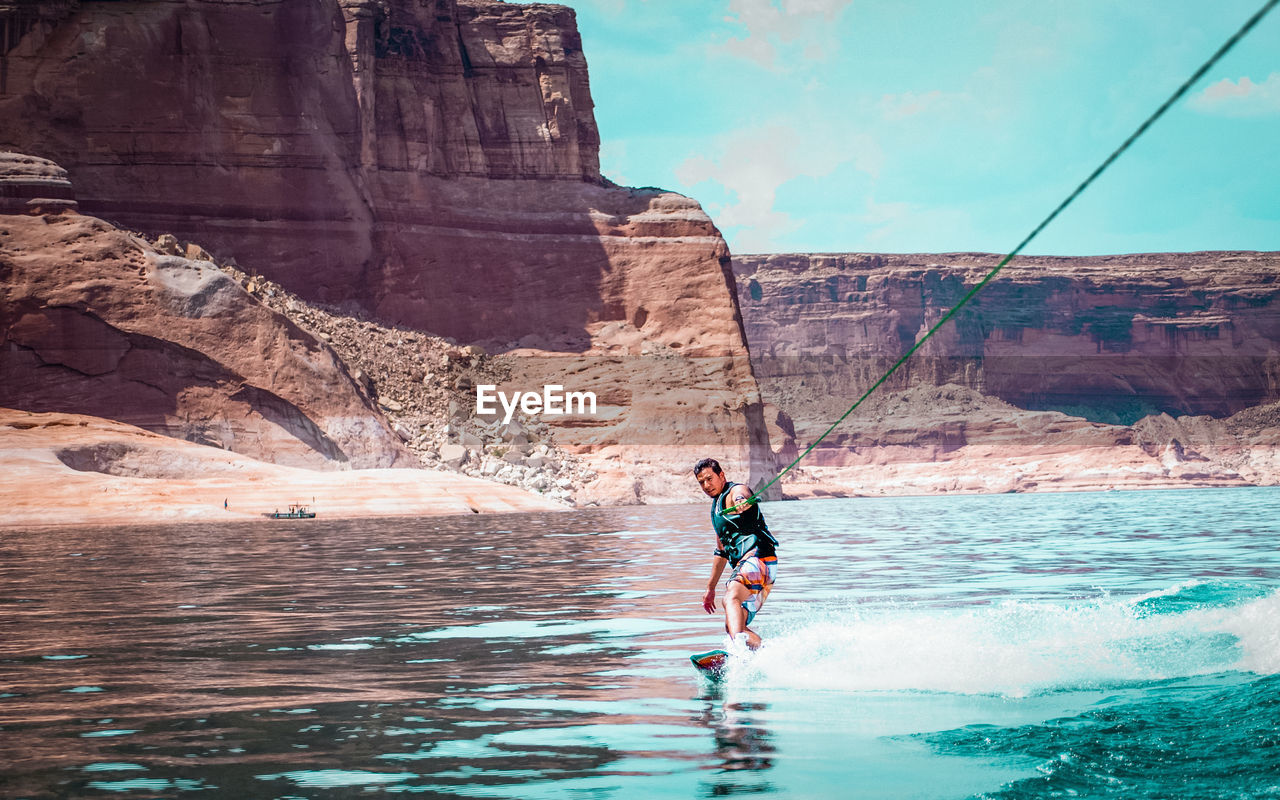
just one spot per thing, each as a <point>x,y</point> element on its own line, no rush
<point>712,482</point>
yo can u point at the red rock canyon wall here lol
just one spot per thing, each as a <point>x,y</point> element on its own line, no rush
<point>433,163</point>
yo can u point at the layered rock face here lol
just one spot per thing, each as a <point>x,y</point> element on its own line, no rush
<point>95,320</point>
<point>433,163</point>
<point>1095,356</point>
<point>1110,337</point>
<point>33,185</point>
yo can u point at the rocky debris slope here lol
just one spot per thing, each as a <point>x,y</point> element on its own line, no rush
<point>432,163</point>
<point>424,385</point>
<point>69,469</point>
<point>95,320</point>
<point>1112,371</point>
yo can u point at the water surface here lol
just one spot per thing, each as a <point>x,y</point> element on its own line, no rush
<point>1121,644</point>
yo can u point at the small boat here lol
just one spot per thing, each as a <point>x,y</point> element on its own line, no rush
<point>296,511</point>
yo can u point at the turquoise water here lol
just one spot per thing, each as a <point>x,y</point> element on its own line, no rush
<point>1079,645</point>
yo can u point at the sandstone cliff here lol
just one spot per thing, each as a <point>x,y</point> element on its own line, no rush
<point>1137,370</point>
<point>433,164</point>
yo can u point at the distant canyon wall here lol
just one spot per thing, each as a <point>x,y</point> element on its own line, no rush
<point>1135,365</point>
<point>1107,337</point>
<point>434,164</point>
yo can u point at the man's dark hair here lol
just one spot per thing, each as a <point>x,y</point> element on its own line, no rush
<point>707,462</point>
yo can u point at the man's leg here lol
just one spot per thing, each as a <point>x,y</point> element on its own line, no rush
<point>745,595</point>
<point>735,613</point>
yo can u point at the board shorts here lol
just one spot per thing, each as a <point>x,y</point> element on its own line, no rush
<point>757,574</point>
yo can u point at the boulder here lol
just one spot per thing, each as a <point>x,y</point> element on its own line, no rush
<point>195,252</point>
<point>453,454</point>
<point>169,245</point>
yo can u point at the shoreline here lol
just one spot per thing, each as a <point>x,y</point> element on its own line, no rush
<point>67,470</point>
<point>125,475</point>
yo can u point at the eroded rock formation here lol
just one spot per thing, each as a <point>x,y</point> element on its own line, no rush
<point>95,320</point>
<point>433,163</point>
<point>33,185</point>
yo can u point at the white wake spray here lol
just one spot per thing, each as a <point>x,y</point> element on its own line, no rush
<point>1018,648</point>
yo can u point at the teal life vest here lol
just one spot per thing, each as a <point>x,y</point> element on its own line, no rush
<point>739,535</point>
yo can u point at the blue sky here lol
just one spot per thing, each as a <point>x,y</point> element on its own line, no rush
<point>940,125</point>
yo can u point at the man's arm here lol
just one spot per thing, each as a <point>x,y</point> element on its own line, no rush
<point>735,505</point>
<point>718,564</point>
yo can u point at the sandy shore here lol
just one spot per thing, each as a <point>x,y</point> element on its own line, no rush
<point>67,469</point>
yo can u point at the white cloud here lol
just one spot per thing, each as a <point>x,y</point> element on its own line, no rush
<point>754,163</point>
<point>1242,98</point>
<point>772,24</point>
<point>908,104</point>
<point>911,228</point>
<point>613,160</point>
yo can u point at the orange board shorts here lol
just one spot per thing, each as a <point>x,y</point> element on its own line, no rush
<point>757,574</point>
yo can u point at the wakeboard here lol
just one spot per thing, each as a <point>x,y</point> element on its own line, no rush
<point>712,663</point>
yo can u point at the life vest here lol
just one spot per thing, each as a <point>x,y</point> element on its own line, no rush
<point>740,534</point>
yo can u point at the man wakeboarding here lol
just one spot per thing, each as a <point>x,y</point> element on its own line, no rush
<point>743,542</point>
